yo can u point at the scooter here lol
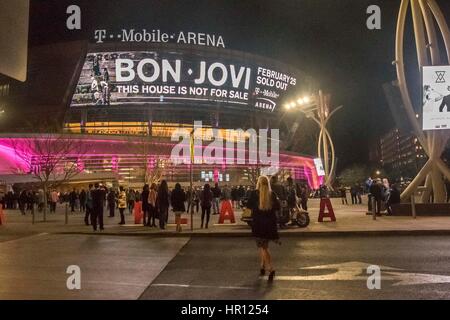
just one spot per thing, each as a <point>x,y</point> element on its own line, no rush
<point>300,217</point>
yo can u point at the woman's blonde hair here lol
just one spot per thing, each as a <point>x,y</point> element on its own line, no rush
<point>265,193</point>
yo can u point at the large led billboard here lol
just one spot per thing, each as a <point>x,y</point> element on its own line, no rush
<point>125,78</point>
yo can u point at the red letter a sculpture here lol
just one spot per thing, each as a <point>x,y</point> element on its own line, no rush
<point>226,212</point>
<point>325,202</point>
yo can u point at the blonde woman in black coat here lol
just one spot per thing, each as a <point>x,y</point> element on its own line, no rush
<point>264,203</point>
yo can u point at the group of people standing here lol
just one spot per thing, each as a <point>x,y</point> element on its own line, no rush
<point>156,201</point>
<point>382,195</point>
<point>356,192</point>
<point>29,199</point>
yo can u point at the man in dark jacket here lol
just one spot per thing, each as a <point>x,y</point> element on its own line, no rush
<point>291,195</point>
<point>72,199</point>
<point>241,192</point>
<point>162,200</point>
<point>353,193</point>
<point>216,193</point>
<point>376,192</point>
<point>98,198</point>
<point>281,195</point>
<point>206,197</point>
<point>279,190</point>
<point>89,208</point>
<point>23,198</point>
<point>82,200</point>
<point>111,202</point>
<point>177,199</point>
<point>394,198</point>
<point>145,205</point>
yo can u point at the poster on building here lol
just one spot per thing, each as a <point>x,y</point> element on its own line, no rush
<point>436,97</point>
<point>319,167</point>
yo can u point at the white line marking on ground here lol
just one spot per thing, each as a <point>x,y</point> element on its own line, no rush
<point>25,237</point>
<point>199,286</point>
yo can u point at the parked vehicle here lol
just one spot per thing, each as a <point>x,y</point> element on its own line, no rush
<point>300,217</point>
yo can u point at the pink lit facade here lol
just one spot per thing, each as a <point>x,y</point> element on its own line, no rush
<point>125,159</point>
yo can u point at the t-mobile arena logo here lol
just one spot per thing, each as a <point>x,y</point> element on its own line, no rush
<point>230,146</point>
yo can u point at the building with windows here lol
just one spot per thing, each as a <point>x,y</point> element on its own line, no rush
<point>401,155</point>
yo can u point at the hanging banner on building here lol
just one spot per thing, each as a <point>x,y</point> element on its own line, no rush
<point>149,77</point>
<point>436,97</point>
<point>319,167</point>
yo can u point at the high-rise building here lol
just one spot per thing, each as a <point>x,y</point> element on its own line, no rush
<point>401,154</point>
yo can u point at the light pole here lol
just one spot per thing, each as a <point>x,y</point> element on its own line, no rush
<point>317,108</point>
<point>191,177</point>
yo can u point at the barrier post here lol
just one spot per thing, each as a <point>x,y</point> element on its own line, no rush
<point>66,214</point>
<point>413,206</point>
<point>32,214</point>
<point>374,211</point>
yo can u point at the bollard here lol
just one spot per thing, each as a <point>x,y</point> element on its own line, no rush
<point>192,217</point>
<point>66,221</point>
<point>413,206</point>
<point>374,211</point>
<point>32,214</point>
<point>2,215</point>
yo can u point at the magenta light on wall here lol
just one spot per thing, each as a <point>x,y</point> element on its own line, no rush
<point>114,154</point>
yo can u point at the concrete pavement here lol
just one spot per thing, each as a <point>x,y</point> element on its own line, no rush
<point>127,267</point>
<point>351,219</point>
<point>34,267</point>
<point>311,268</point>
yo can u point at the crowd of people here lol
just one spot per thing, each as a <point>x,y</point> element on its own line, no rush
<point>356,192</point>
<point>380,194</point>
<point>28,199</point>
<point>154,201</point>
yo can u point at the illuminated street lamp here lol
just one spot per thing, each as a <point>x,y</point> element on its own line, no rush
<point>317,108</point>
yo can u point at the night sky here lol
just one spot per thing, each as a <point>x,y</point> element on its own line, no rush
<point>327,39</point>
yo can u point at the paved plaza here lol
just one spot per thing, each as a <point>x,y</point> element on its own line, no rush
<point>351,219</point>
<point>326,260</point>
<point>130,267</point>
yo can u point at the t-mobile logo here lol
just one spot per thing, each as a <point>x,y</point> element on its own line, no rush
<point>100,35</point>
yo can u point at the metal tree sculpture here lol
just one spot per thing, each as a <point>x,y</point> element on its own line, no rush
<point>424,12</point>
<point>319,112</point>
